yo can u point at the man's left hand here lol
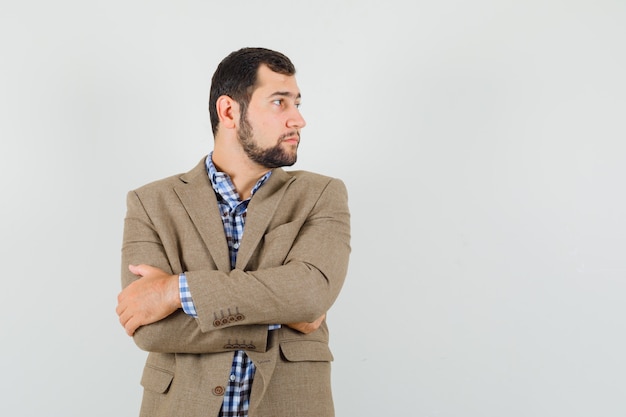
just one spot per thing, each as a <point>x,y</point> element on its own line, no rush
<point>306,328</point>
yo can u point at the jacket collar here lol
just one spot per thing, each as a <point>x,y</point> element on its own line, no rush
<point>198,197</point>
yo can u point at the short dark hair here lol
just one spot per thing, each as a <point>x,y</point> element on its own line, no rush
<point>236,76</point>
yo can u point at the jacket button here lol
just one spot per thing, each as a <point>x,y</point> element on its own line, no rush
<point>219,390</point>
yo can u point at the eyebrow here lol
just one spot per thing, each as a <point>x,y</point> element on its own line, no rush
<point>286,94</point>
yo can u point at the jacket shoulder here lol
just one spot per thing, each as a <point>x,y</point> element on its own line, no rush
<point>311,184</point>
<point>311,178</point>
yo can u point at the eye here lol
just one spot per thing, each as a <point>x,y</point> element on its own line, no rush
<point>298,105</point>
<point>278,102</point>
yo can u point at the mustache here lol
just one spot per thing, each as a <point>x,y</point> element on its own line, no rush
<point>289,136</point>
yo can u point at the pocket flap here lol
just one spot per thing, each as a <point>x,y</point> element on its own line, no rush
<point>156,379</point>
<point>306,350</point>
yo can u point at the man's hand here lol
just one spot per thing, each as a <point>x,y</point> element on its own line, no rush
<point>152,297</point>
<point>306,328</point>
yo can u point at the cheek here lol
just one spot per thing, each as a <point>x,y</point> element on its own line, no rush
<point>267,128</point>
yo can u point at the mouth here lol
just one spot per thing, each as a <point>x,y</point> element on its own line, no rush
<point>293,138</point>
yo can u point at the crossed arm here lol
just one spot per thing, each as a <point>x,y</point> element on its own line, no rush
<point>155,296</point>
<point>149,306</point>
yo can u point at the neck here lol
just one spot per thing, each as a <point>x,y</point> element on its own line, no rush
<point>242,171</point>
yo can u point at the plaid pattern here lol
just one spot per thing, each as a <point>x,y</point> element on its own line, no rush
<point>185,296</point>
<point>237,395</point>
<point>233,212</point>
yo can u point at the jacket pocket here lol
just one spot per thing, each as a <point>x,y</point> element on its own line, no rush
<point>306,350</point>
<point>156,379</point>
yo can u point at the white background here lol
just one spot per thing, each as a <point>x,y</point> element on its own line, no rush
<point>482,144</point>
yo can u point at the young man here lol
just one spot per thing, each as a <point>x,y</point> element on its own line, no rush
<point>235,322</point>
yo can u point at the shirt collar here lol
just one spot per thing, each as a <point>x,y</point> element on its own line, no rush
<point>223,185</point>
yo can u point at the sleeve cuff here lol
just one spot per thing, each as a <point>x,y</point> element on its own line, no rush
<point>185,296</point>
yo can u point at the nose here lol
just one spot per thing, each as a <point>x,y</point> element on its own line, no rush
<point>296,120</point>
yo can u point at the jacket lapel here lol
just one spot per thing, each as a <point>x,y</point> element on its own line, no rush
<point>260,212</point>
<point>197,196</point>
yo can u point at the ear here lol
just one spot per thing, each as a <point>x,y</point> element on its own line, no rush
<point>227,111</point>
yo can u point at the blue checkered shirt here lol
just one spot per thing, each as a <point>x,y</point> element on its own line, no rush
<point>233,212</point>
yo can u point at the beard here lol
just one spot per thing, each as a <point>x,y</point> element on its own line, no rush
<point>272,157</point>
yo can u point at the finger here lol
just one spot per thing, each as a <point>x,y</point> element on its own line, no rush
<point>124,317</point>
<point>131,325</point>
<point>136,269</point>
<point>121,296</point>
<point>130,328</point>
<point>119,309</point>
<point>319,321</point>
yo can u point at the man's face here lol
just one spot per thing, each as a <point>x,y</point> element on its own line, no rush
<point>269,131</point>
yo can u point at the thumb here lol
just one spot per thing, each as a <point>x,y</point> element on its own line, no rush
<point>136,269</point>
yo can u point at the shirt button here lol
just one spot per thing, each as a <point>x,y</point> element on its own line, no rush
<point>236,246</point>
<point>232,378</point>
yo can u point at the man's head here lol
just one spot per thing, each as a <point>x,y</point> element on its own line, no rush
<point>236,77</point>
<point>254,100</point>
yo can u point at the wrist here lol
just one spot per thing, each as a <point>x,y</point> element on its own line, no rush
<point>174,292</point>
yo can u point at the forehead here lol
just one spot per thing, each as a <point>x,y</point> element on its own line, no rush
<point>270,82</point>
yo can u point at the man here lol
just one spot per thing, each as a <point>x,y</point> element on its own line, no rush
<point>235,322</point>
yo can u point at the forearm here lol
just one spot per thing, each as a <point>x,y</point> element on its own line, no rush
<point>295,275</point>
<point>287,294</point>
<point>178,333</point>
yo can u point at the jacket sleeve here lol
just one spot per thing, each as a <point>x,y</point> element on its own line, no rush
<point>178,333</point>
<point>296,275</point>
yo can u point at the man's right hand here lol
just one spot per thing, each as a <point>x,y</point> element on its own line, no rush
<point>148,299</point>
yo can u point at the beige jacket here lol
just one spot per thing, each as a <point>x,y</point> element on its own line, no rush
<point>290,268</point>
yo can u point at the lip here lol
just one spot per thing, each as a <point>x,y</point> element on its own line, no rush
<point>292,139</point>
